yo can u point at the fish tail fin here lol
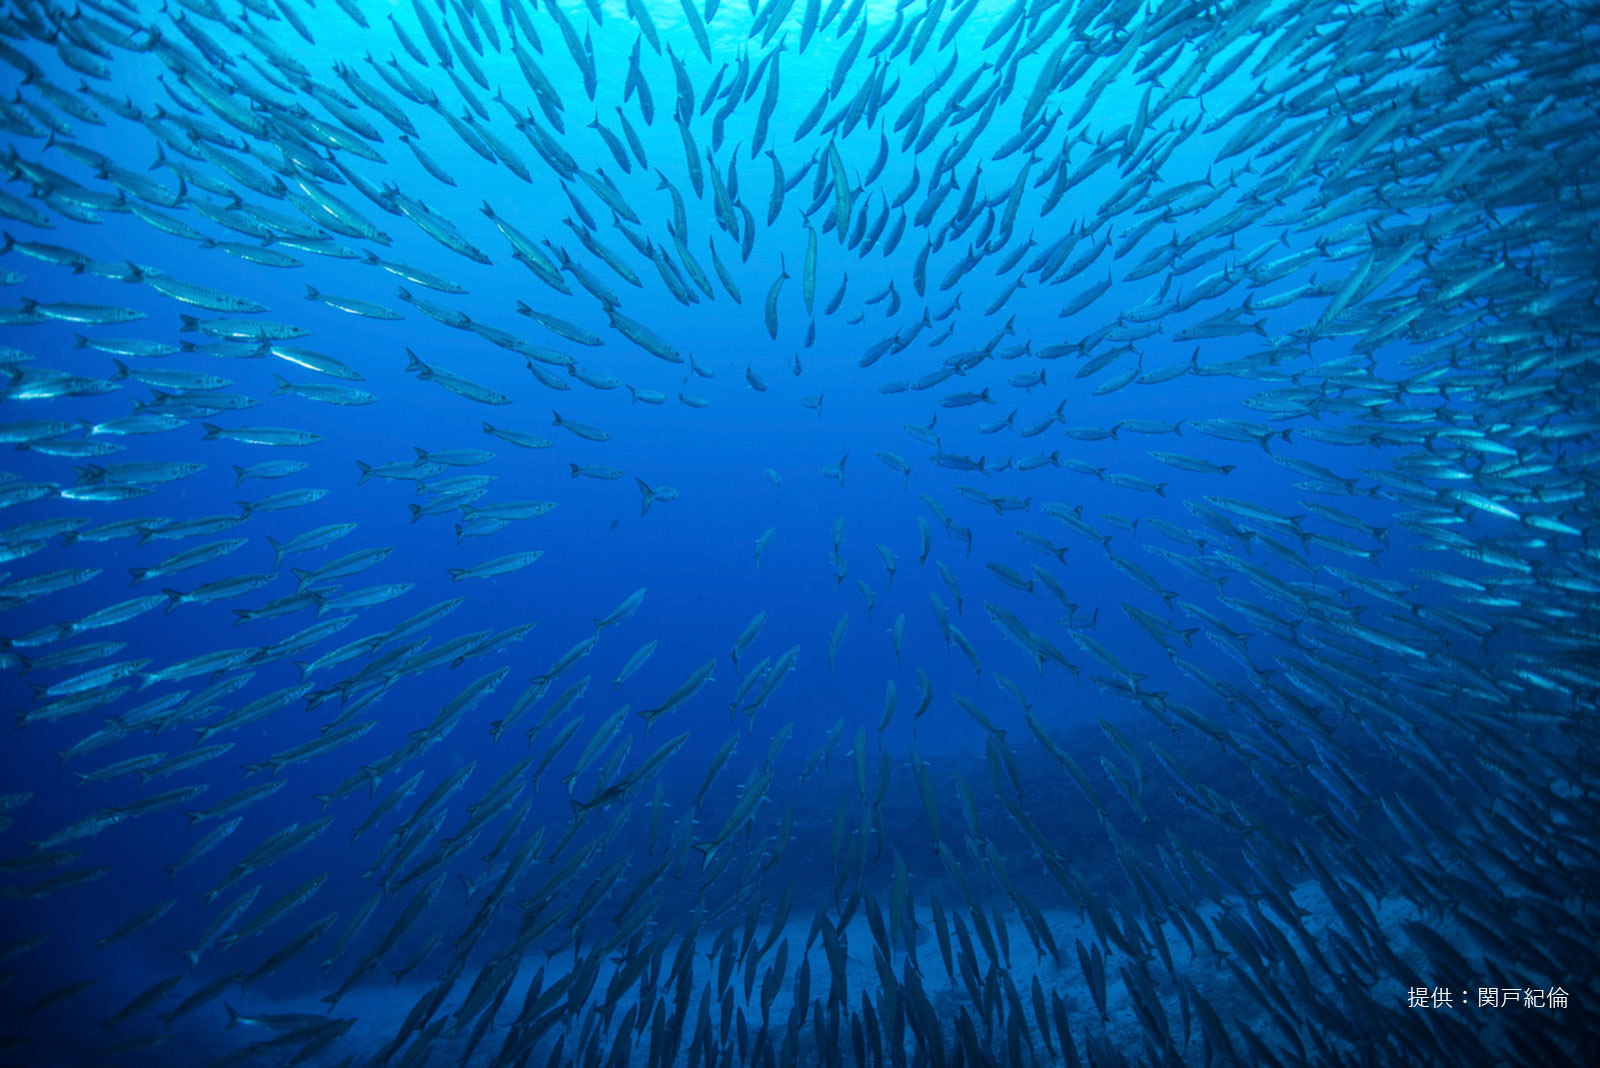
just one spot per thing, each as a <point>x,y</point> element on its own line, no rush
<point>174,599</point>
<point>189,323</point>
<point>574,469</point>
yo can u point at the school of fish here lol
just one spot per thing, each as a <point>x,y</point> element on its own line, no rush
<point>1268,763</point>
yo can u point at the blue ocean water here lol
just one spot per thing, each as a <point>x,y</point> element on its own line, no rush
<point>1254,778</point>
